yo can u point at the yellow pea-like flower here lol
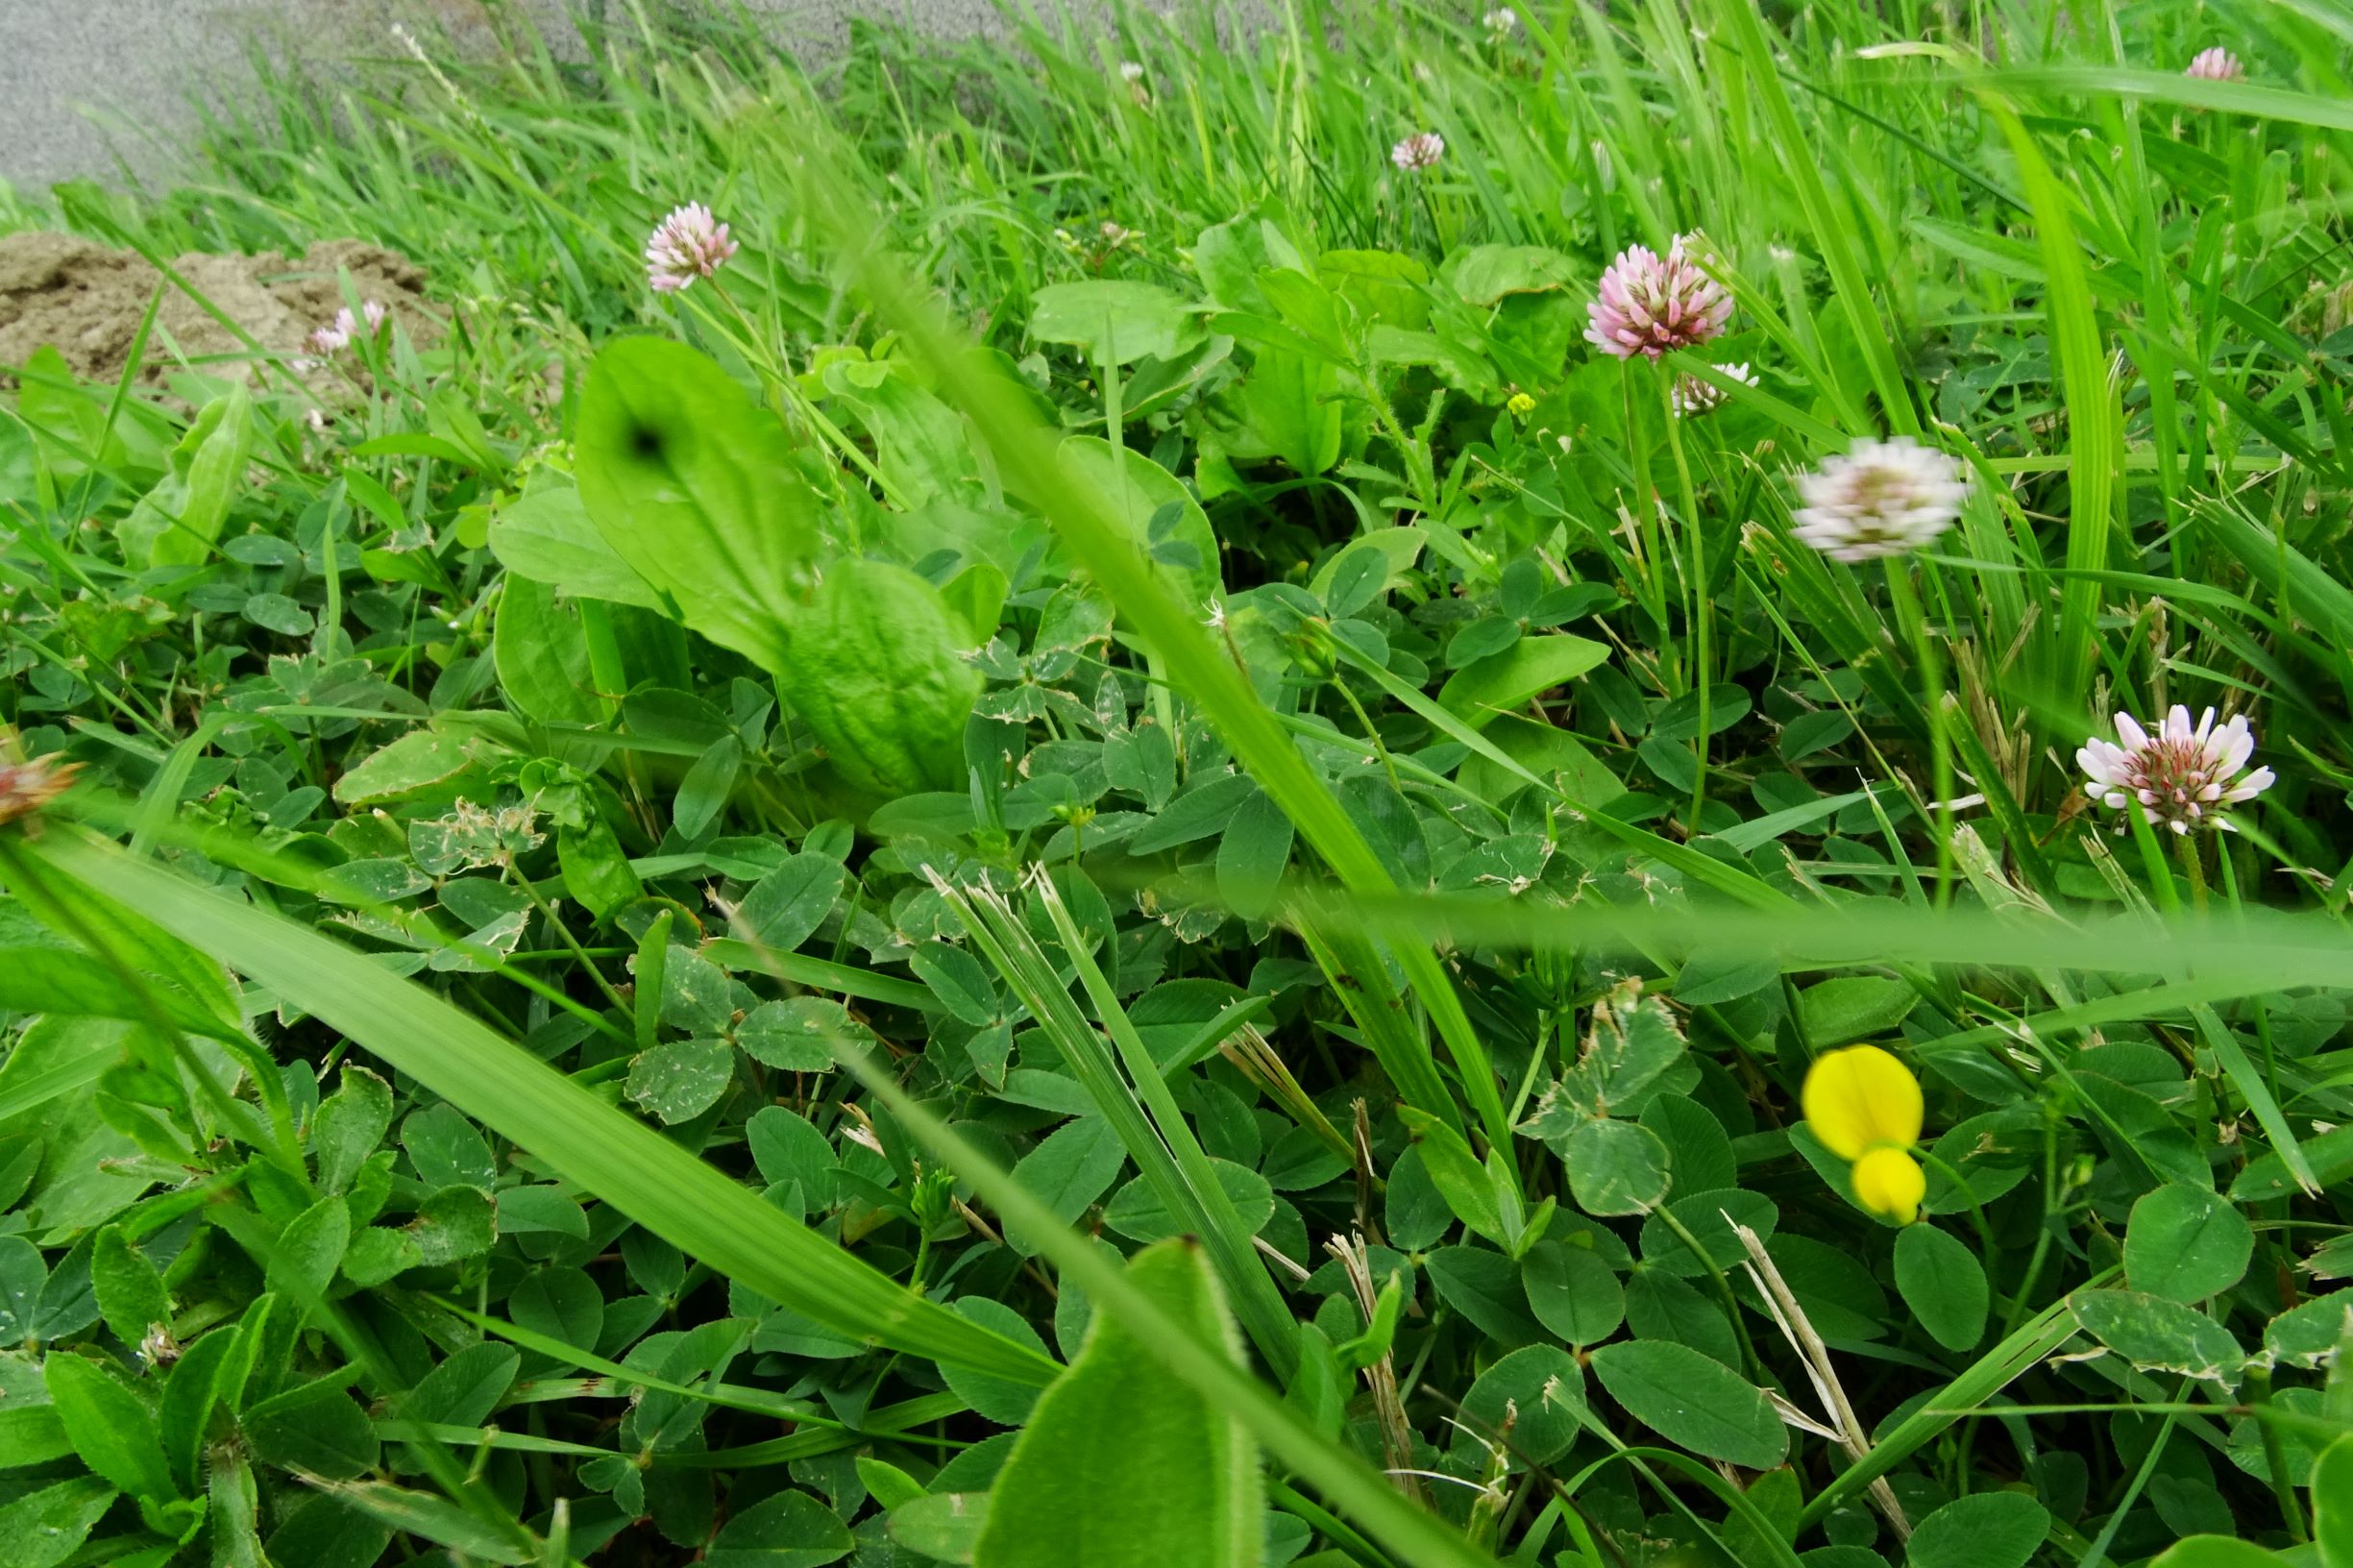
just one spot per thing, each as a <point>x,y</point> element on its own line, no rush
<point>1859,1098</point>
<point>1865,1106</point>
<point>1890,1182</point>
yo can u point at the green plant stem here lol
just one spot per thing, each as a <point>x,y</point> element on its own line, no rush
<point>1933,708</point>
<point>1700,608</point>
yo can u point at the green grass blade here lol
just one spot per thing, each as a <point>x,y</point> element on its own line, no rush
<point>585,1140</point>
<point>1137,1104</point>
<point>2094,410</point>
<point>1999,1367</point>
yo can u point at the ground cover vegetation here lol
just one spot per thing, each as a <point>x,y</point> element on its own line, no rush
<point>1348,785</point>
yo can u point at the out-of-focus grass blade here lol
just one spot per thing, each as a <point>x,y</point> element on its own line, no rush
<point>2260,951</point>
<point>583,1139</point>
<point>1348,1483</point>
<point>2094,410</point>
<point>2309,592</point>
<point>1027,454</point>
<point>2173,87</point>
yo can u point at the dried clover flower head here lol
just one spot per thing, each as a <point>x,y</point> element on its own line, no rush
<point>27,784</point>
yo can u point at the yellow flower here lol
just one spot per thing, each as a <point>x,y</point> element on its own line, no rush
<point>1865,1107</point>
<point>1890,1182</point>
<point>1522,404</point>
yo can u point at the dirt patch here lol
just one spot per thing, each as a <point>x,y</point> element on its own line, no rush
<point>87,301</point>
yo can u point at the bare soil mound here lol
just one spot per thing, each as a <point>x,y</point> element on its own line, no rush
<point>87,301</point>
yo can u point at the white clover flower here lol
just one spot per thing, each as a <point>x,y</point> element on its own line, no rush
<point>1131,72</point>
<point>1883,497</point>
<point>1501,22</point>
<point>2181,777</point>
<point>1418,152</point>
<point>1694,397</point>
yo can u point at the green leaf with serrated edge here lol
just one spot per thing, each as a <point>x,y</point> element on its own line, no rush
<point>110,1428</point>
<point>44,1528</point>
<point>1615,1169</point>
<point>129,1291</point>
<point>1124,1465</point>
<point>590,1144</point>
<point>348,1126</point>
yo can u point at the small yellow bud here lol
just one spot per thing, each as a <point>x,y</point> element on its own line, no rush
<point>1522,404</point>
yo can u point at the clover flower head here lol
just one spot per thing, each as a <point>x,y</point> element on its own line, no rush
<point>2217,65</point>
<point>1694,397</point>
<point>1418,152</point>
<point>1648,304</point>
<point>1501,22</point>
<point>26,785</point>
<point>1131,72</point>
<point>690,243</point>
<point>2183,776</point>
<point>1883,498</point>
<point>1521,405</point>
<point>1865,1107</point>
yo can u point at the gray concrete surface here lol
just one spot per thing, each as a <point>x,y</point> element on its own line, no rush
<point>90,88</point>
